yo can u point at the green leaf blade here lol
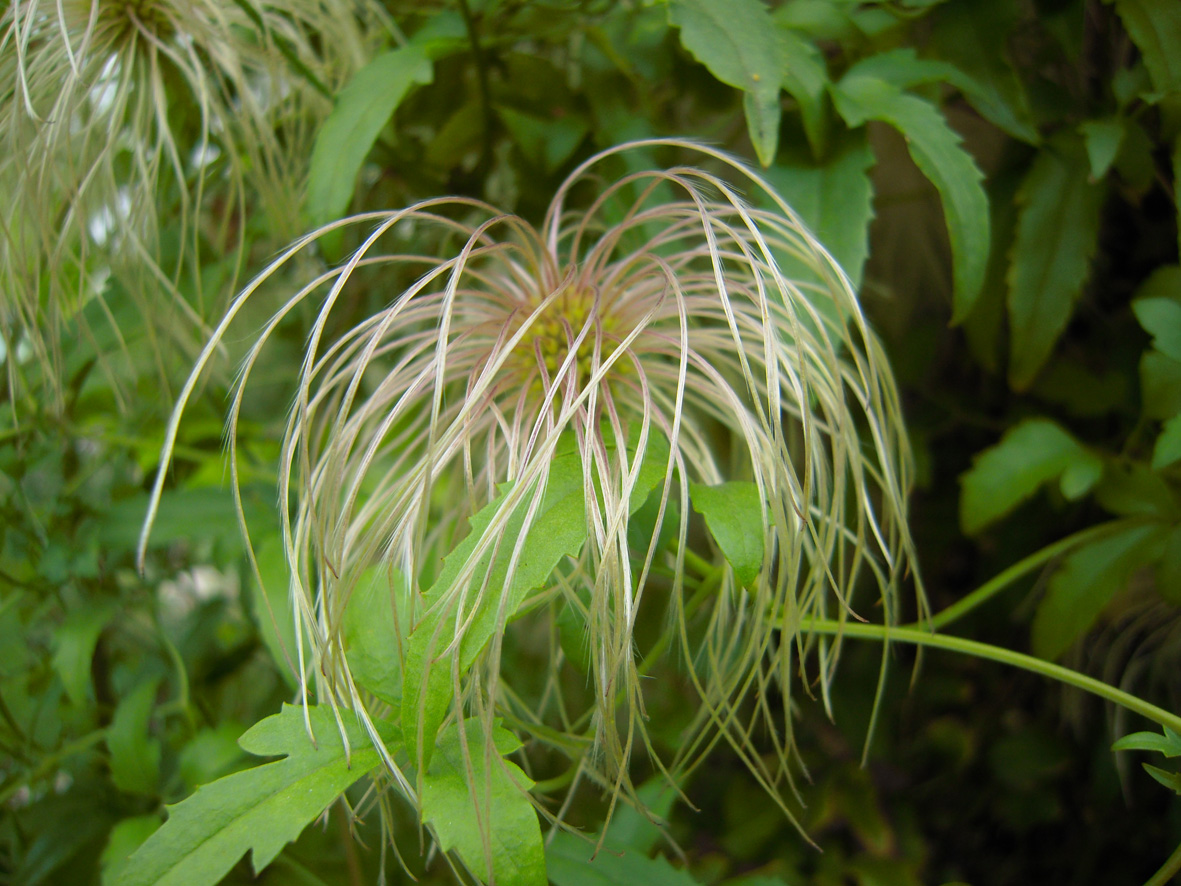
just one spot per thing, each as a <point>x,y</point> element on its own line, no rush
<point>937,152</point>
<point>1085,583</point>
<point>511,832</point>
<point>362,110</point>
<point>1057,233</point>
<point>734,514</point>
<point>256,810</point>
<point>135,758</point>
<point>1030,455</point>
<point>738,42</point>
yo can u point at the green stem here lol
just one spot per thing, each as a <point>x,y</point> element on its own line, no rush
<point>1168,870</point>
<point>1002,655</point>
<point>1034,561</point>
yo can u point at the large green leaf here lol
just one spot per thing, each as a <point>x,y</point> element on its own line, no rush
<point>974,36</point>
<point>1057,230</point>
<point>1155,28</point>
<point>558,530</point>
<point>362,110</point>
<point>259,810</point>
<point>738,42</point>
<point>572,862</point>
<point>483,812</point>
<point>1029,455</point>
<point>734,514</point>
<point>805,78</point>
<point>74,642</point>
<point>935,149</point>
<point>372,628</point>
<point>834,199</point>
<point>1085,583</point>
<point>135,755</point>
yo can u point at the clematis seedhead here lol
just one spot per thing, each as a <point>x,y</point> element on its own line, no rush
<point>652,436</point>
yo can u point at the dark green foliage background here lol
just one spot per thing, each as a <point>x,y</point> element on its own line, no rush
<point>1042,384</point>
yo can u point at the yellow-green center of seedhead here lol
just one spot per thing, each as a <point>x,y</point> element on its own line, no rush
<point>549,338</point>
<point>118,22</point>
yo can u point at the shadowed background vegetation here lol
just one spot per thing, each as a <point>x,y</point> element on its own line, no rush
<point>999,180</point>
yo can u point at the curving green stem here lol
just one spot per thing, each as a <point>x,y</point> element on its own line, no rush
<point>1168,870</point>
<point>997,653</point>
<point>1034,561</point>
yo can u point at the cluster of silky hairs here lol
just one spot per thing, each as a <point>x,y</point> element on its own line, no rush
<point>657,309</point>
<point>114,108</point>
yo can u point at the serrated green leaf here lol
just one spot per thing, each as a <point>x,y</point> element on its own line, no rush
<point>904,69</point>
<point>558,530</point>
<point>546,142</point>
<point>572,861</point>
<point>73,647</point>
<point>1102,139</point>
<point>135,756</point>
<point>371,632</point>
<point>1029,455</point>
<point>499,817</point>
<point>1057,232</point>
<point>835,200</point>
<point>362,110</point>
<point>1155,28</point>
<point>734,514</point>
<point>126,836</point>
<point>210,754</point>
<point>1167,743</point>
<point>936,151</point>
<point>738,42</point>
<point>1085,583</point>
<point>1171,780</point>
<point>258,810</point>
<point>974,36</point>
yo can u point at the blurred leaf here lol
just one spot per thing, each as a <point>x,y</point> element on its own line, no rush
<point>1160,385</point>
<point>631,829</point>
<point>1057,232</point>
<point>210,754</point>
<point>1171,780</point>
<point>1168,570</point>
<point>184,515</point>
<point>1130,489</point>
<point>1177,186</point>
<point>443,34</point>
<point>545,142</point>
<point>1030,454</point>
<point>974,35</point>
<point>472,808</point>
<point>738,42</point>
<point>362,110</point>
<point>372,632</point>
<point>1168,743</point>
<point>572,861</point>
<point>135,756</point>
<point>1086,582</point>
<point>74,822</point>
<point>1168,445</point>
<point>936,151</point>
<point>1158,308</point>
<point>805,77</point>
<point>734,514</point>
<point>558,530</point>
<point>1155,28</point>
<point>1102,139</point>
<point>835,200</point>
<point>258,810</point>
<point>271,609</point>
<point>127,836</point>
<point>73,647</point>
